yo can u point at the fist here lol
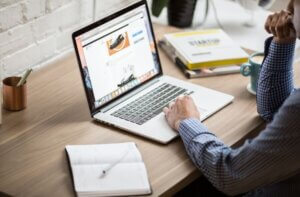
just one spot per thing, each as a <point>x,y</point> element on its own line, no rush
<point>183,108</point>
<point>280,24</point>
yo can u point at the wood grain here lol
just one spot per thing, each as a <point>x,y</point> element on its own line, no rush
<point>32,156</point>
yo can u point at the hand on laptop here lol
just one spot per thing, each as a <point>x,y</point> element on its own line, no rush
<point>183,108</point>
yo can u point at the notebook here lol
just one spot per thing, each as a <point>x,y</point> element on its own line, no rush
<point>108,170</point>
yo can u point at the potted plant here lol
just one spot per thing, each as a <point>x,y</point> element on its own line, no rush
<point>180,12</point>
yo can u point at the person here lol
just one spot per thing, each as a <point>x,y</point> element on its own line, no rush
<point>269,164</point>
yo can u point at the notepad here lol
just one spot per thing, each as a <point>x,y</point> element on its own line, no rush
<point>108,170</point>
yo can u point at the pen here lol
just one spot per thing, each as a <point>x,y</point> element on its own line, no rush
<point>24,77</point>
<point>108,168</point>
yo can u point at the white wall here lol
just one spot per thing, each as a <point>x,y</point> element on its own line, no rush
<point>36,32</point>
<point>279,5</point>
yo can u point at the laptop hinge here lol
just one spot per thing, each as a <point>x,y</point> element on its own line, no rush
<point>129,95</point>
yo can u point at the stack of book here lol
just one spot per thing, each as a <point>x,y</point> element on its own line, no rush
<point>204,52</point>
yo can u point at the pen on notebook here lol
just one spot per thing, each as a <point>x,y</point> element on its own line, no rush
<point>110,166</point>
<point>24,77</point>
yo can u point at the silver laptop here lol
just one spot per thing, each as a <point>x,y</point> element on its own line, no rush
<point>123,79</point>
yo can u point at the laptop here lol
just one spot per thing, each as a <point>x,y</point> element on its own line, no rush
<point>123,79</point>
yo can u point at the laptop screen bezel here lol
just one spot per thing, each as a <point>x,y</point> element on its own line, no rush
<point>97,24</point>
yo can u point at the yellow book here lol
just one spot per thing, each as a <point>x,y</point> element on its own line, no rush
<point>206,48</point>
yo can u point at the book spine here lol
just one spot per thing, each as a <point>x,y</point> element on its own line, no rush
<point>172,56</point>
<point>182,67</point>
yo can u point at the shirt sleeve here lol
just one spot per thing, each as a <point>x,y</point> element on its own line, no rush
<point>258,162</point>
<point>275,82</point>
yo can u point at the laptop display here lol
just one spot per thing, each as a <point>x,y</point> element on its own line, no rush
<point>116,55</point>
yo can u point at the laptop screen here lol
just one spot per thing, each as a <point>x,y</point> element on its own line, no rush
<point>117,56</point>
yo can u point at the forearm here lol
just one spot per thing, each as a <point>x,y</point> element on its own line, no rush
<point>211,156</point>
<point>276,78</point>
<point>256,163</point>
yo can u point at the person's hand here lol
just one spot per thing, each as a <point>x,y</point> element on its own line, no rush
<point>290,6</point>
<point>183,108</point>
<point>280,24</point>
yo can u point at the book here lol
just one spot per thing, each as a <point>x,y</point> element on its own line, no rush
<point>204,72</point>
<point>205,48</point>
<point>108,170</point>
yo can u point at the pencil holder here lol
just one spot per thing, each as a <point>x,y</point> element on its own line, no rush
<point>14,97</point>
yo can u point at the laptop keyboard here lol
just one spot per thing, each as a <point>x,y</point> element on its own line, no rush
<point>149,105</point>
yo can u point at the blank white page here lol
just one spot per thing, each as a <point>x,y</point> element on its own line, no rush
<point>103,153</point>
<point>127,177</point>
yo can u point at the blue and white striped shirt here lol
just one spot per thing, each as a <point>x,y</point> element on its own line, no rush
<point>268,165</point>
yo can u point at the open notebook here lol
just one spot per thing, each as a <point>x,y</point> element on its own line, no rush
<point>108,170</point>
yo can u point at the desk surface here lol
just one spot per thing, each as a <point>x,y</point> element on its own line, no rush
<point>32,157</point>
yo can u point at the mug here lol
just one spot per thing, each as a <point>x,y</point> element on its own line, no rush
<point>252,69</point>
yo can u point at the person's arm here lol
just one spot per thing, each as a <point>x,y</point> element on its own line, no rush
<point>275,82</point>
<point>258,162</point>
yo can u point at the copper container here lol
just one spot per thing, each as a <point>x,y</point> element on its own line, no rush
<point>14,98</point>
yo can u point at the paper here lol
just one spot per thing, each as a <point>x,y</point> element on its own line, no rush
<point>127,177</point>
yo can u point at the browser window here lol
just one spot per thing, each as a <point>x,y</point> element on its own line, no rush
<point>118,56</point>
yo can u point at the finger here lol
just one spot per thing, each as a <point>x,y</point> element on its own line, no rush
<point>188,97</point>
<point>287,21</point>
<point>180,96</point>
<point>290,23</point>
<point>166,111</point>
<point>290,6</point>
<point>273,24</point>
<point>180,99</point>
<point>171,104</point>
<point>284,28</point>
<point>268,23</point>
<point>288,28</point>
<point>279,28</point>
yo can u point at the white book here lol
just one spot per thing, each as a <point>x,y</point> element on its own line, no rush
<point>205,48</point>
<point>108,170</point>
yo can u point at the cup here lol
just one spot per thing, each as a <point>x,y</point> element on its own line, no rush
<point>252,69</point>
<point>14,97</point>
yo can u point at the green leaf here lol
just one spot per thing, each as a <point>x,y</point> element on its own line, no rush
<point>157,6</point>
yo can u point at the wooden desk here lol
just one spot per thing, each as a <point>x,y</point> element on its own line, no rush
<point>32,157</point>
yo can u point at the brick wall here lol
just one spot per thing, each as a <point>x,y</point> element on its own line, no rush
<point>36,32</point>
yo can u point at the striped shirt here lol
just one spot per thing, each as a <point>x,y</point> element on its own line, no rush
<point>268,165</point>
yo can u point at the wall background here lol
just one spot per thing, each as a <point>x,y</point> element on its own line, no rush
<point>35,32</point>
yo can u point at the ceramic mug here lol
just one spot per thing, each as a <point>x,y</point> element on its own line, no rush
<point>252,69</point>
